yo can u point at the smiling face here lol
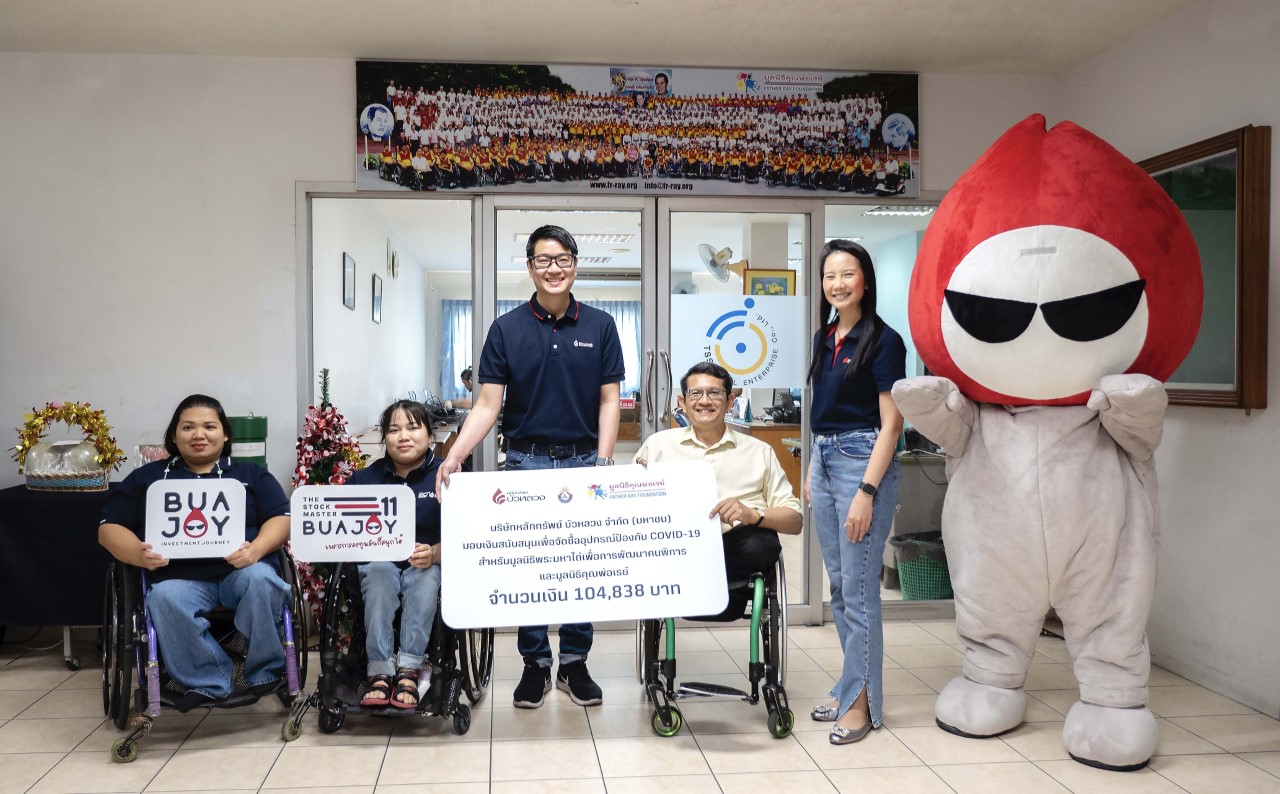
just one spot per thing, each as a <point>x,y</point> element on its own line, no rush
<point>842,281</point>
<point>554,280</point>
<point>1053,261</point>
<point>705,403</point>
<point>407,440</point>
<point>199,437</point>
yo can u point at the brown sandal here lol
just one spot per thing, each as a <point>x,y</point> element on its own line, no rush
<point>406,684</point>
<point>377,692</point>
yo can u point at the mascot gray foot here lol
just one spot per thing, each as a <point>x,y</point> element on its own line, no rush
<point>978,711</point>
<point>1122,740</point>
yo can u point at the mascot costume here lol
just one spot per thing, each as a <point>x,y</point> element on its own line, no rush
<point>1056,288</point>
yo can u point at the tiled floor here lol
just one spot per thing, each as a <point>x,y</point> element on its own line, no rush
<point>53,737</point>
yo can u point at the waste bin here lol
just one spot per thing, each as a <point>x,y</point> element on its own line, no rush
<point>249,439</point>
<point>922,566</point>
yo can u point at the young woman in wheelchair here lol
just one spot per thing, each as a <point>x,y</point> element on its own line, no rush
<point>412,585</point>
<point>182,592</point>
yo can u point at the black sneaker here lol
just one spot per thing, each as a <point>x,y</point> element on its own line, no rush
<point>534,684</point>
<point>574,679</point>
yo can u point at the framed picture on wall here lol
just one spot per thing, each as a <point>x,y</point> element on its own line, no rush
<point>348,281</point>
<point>377,298</point>
<point>756,281</point>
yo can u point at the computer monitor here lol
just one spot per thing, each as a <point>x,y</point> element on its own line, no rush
<point>783,398</point>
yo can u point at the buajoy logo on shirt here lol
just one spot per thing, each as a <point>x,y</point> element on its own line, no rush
<point>743,342</point>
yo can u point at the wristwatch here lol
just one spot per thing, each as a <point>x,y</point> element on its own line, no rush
<point>604,461</point>
<point>760,520</point>
<point>867,488</point>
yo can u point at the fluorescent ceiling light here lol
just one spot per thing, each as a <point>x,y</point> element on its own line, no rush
<point>901,209</point>
<point>520,237</point>
<point>582,260</point>
<point>850,239</point>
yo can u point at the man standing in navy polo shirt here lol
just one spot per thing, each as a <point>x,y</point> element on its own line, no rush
<point>560,365</point>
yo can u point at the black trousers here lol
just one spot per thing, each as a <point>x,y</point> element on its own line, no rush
<point>747,550</point>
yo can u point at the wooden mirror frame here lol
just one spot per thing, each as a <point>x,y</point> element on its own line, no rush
<point>1253,234</point>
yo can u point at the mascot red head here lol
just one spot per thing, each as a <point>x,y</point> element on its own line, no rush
<point>1052,262</point>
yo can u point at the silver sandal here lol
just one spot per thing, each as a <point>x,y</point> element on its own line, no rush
<point>825,713</point>
<point>841,735</point>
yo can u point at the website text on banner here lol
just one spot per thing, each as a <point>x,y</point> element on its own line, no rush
<point>352,523</point>
<point>195,518</point>
<point>582,544</point>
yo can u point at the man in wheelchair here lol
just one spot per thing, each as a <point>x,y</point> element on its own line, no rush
<point>756,502</point>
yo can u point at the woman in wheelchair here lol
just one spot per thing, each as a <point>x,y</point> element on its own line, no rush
<point>413,585</point>
<point>182,592</point>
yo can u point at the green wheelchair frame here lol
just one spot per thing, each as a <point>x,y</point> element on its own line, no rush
<point>766,670</point>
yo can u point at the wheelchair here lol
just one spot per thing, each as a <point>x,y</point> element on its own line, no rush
<point>131,654</point>
<point>461,665</point>
<point>763,598</point>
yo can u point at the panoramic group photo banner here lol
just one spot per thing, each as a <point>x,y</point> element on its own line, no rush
<point>635,130</point>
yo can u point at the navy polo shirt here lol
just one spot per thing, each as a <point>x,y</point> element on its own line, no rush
<point>841,404</point>
<point>422,481</point>
<point>264,499</point>
<point>553,370</point>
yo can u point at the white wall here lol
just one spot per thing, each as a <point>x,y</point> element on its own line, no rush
<point>147,232</point>
<point>370,364</point>
<point>1205,71</point>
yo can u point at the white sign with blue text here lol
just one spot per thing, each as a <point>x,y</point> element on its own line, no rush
<point>527,548</point>
<point>352,523</point>
<point>195,518</point>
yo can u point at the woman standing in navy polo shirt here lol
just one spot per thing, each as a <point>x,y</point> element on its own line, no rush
<point>413,586</point>
<point>852,484</point>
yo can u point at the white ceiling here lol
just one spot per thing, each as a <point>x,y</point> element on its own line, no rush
<point>1026,37</point>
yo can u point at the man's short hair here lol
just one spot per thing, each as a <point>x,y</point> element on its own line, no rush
<point>466,374</point>
<point>707,368</point>
<point>549,232</point>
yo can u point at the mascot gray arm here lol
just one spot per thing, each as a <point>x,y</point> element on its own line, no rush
<point>1131,408</point>
<point>935,407</point>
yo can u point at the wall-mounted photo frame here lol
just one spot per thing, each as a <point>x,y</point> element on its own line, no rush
<point>377,298</point>
<point>395,264</point>
<point>757,281</point>
<point>1223,187</point>
<point>348,281</point>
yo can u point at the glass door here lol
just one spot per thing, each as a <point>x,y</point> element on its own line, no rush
<point>734,286</point>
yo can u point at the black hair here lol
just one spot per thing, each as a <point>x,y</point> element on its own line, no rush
<point>870,322</point>
<point>708,368</point>
<point>557,233</point>
<point>196,401</point>
<point>466,374</point>
<point>416,411</point>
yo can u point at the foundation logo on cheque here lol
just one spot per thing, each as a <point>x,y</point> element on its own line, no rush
<point>636,490</point>
<point>744,342</point>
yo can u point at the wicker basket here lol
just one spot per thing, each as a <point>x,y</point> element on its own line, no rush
<point>69,481</point>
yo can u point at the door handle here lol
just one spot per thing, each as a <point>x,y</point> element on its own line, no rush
<point>666,405</point>
<point>646,393</point>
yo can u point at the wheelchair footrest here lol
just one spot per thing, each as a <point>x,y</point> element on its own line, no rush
<point>695,689</point>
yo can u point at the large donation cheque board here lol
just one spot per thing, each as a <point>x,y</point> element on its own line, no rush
<point>352,523</point>
<point>195,518</point>
<point>585,544</point>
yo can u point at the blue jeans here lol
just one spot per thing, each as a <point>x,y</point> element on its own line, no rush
<point>836,466</point>
<point>575,638</point>
<point>192,657</point>
<point>416,592</point>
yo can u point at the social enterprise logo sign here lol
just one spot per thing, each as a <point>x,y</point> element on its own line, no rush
<point>758,339</point>
<point>195,518</point>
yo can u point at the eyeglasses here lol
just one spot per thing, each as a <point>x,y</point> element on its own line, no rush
<point>565,261</point>
<point>697,394</point>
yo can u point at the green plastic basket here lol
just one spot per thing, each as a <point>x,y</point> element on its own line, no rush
<point>924,579</point>
<point>922,566</point>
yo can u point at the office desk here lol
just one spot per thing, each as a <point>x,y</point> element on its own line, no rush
<point>774,435</point>
<point>52,569</point>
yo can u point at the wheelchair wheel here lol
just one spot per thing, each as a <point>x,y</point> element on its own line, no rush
<point>781,723</point>
<point>648,641</point>
<point>117,645</point>
<point>301,624</point>
<point>778,622</point>
<point>668,726</point>
<point>462,719</point>
<point>475,658</point>
<point>331,719</point>
<point>123,751</point>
